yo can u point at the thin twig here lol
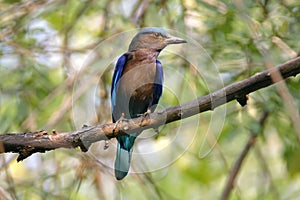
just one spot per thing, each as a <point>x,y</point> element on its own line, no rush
<point>237,165</point>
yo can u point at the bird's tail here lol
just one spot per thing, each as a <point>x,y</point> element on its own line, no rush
<point>124,152</point>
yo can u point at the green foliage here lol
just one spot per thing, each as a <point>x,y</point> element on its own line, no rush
<point>51,52</point>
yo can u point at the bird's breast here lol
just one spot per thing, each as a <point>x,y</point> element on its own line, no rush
<point>139,79</point>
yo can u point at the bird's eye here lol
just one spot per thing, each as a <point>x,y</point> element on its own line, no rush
<point>156,34</point>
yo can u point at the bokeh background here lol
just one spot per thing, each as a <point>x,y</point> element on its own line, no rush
<point>56,63</point>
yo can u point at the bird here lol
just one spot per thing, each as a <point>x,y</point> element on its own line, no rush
<point>137,86</point>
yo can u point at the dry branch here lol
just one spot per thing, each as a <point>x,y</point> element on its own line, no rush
<point>40,141</point>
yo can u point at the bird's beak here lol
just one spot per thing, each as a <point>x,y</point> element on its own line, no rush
<point>174,40</point>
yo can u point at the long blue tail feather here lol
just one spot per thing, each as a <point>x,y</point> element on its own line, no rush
<point>123,158</point>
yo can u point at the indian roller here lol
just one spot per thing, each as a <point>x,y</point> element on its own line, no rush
<point>137,86</point>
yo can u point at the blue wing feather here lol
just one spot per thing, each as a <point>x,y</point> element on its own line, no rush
<point>159,79</point>
<point>116,77</point>
<point>125,142</point>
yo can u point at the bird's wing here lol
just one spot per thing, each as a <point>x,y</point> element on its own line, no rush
<point>116,77</point>
<point>159,79</point>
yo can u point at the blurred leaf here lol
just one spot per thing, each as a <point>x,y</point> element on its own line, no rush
<point>292,158</point>
<point>43,44</point>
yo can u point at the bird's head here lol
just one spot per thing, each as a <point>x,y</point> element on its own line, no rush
<point>153,38</point>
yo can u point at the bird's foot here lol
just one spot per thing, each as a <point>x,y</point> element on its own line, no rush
<point>145,115</point>
<point>122,118</point>
<point>106,145</point>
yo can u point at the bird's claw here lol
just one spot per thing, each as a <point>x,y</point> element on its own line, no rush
<point>122,118</point>
<point>106,145</point>
<point>145,115</point>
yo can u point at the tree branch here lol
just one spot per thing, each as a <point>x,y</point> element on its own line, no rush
<point>40,141</point>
